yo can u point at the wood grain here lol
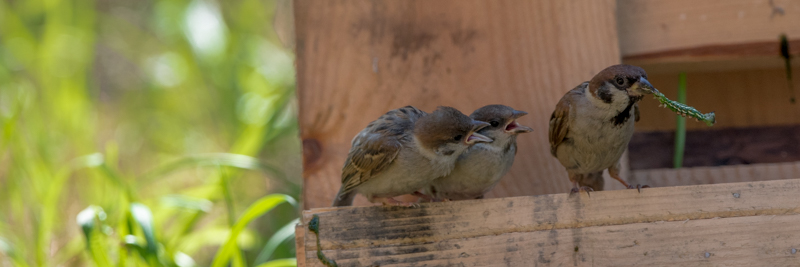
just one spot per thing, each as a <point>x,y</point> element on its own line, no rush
<point>737,224</point>
<point>358,59</point>
<point>718,174</point>
<point>704,28</point>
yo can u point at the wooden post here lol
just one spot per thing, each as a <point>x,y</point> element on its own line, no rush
<point>735,224</point>
<point>358,59</point>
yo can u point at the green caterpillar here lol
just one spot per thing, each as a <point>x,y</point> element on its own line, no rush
<point>683,110</point>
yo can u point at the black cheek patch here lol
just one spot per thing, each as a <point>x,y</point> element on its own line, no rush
<point>623,116</point>
<point>604,94</point>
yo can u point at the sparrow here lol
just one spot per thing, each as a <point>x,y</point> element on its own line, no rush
<point>480,168</point>
<point>593,123</point>
<point>403,151</point>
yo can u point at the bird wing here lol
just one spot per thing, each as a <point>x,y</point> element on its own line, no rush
<point>377,146</point>
<point>559,120</point>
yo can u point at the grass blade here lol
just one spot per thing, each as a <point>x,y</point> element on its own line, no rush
<point>680,128</point>
<point>215,160</point>
<point>260,207</point>
<point>142,215</point>
<point>94,242</point>
<point>8,249</point>
<point>292,262</point>
<point>286,232</point>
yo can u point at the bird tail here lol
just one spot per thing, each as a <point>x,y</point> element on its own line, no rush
<point>344,199</point>
<point>593,180</point>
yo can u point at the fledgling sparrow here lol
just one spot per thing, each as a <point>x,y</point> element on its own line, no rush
<point>480,168</point>
<point>593,123</point>
<point>403,151</point>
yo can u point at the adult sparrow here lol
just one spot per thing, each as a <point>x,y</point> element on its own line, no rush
<point>403,151</point>
<point>480,168</point>
<point>593,123</point>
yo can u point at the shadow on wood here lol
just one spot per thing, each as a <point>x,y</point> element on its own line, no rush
<point>736,224</point>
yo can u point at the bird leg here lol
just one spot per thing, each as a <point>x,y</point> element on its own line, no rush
<point>578,189</point>
<point>573,177</point>
<point>614,173</point>
<point>388,201</point>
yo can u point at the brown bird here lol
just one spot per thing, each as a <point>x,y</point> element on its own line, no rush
<point>480,168</point>
<point>403,151</point>
<point>593,123</point>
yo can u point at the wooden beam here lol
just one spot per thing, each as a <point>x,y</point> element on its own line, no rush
<point>680,34</point>
<point>717,174</point>
<point>736,224</point>
<point>358,59</point>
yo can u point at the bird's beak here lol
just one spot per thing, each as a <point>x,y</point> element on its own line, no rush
<point>476,137</point>
<point>518,113</point>
<point>642,87</point>
<point>513,127</point>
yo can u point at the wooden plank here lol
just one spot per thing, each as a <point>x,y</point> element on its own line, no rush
<point>299,238</point>
<point>716,175</point>
<point>717,147</point>
<point>358,59</point>
<point>740,241</point>
<point>688,32</point>
<point>752,98</point>
<point>737,224</point>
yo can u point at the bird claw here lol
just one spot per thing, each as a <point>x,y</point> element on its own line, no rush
<point>638,187</point>
<point>582,188</point>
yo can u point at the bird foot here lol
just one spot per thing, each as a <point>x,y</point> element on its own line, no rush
<point>393,202</point>
<point>638,187</point>
<point>582,188</point>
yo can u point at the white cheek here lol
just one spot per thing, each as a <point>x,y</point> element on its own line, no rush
<point>620,97</point>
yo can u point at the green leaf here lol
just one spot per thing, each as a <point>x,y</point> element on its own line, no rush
<point>216,160</point>
<point>183,260</point>
<point>291,262</point>
<point>7,249</point>
<point>186,202</point>
<point>286,232</point>
<point>263,205</point>
<point>88,219</point>
<point>214,236</point>
<point>142,215</point>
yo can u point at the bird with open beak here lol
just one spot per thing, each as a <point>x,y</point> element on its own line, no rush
<point>593,123</point>
<point>480,168</point>
<point>403,151</point>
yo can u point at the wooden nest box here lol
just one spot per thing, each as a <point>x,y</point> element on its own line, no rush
<point>735,205</point>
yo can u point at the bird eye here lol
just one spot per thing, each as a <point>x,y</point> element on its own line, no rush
<point>458,137</point>
<point>494,123</point>
<point>620,81</point>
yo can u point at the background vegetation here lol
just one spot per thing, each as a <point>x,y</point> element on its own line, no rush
<point>147,132</point>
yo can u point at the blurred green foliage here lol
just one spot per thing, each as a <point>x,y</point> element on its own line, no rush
<point>148,132</point>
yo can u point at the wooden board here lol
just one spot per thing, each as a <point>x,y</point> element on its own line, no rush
<point>715,175</point>
<point>358,59</point>
<point>751,98</point>
<point>734,224</point>
<point>684,33</point>
<point>717,147</point>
